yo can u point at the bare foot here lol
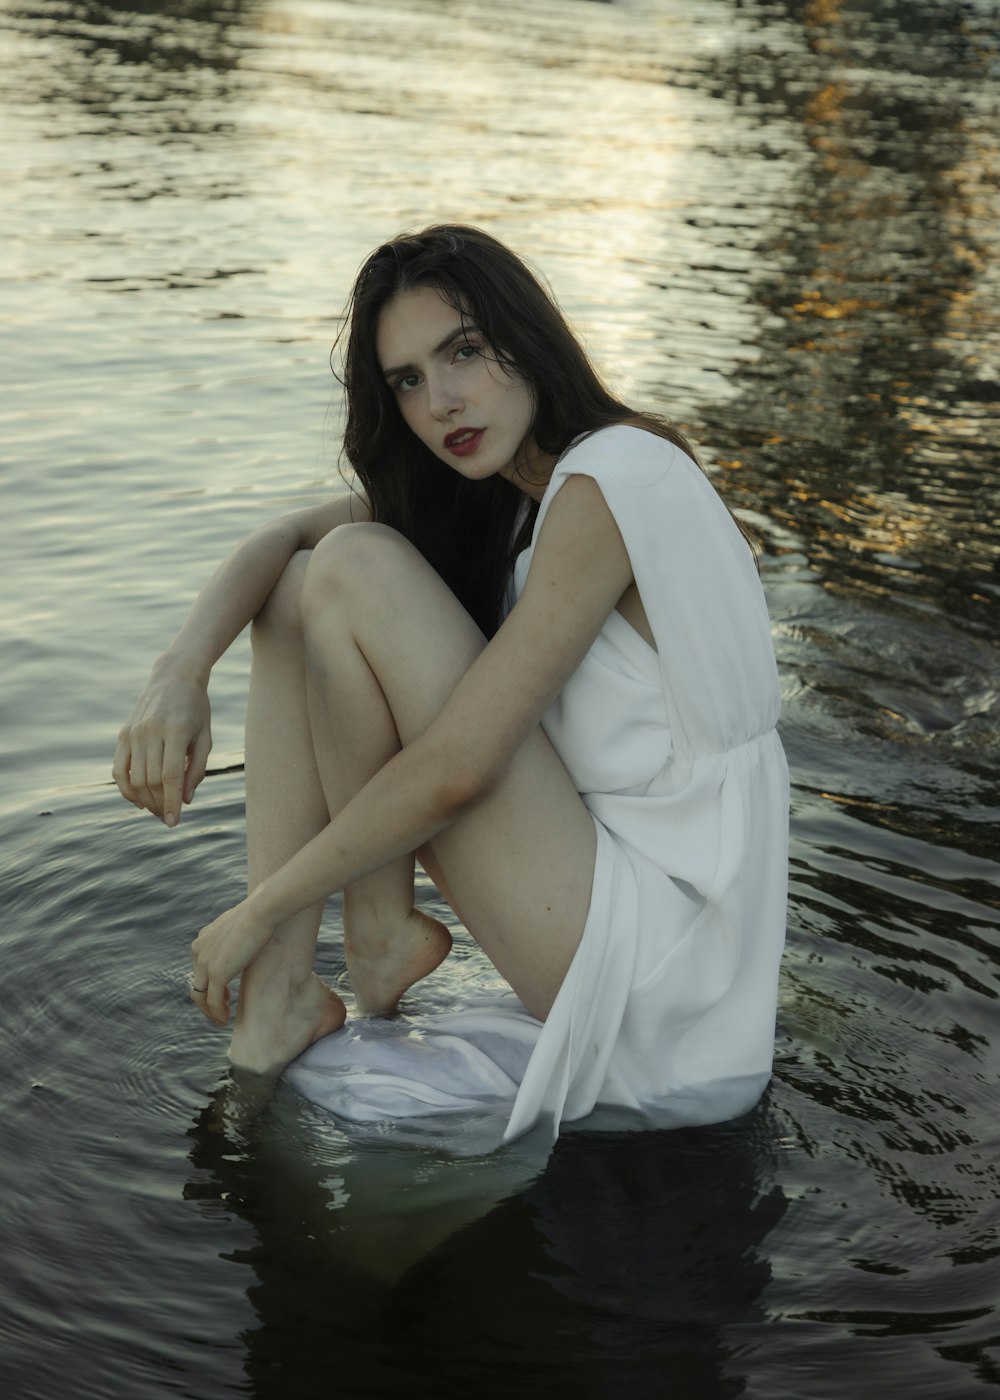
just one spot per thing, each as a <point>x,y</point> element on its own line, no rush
<point>273,1027</point>
<point>381,968</point>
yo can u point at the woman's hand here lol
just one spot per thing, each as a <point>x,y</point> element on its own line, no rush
<point>163,748</point>
<point>220,952</point>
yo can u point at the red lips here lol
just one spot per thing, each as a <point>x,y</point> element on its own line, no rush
<point>464,440</point>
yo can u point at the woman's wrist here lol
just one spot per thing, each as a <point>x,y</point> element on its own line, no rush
<point>179,661</point>
<point>264,905</point>
<point>294,886</point>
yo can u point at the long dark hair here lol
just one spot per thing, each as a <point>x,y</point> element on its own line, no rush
<point>469,531</point>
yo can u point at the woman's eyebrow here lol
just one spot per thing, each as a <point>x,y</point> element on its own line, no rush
<point>441,345</point>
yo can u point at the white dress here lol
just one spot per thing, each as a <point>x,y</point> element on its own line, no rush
<point>668,1007</point>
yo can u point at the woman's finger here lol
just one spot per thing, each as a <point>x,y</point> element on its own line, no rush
<point>208,995</point>
<point>220,953</point>
<point>211,996</point>
<point>120,769</point>
<point>137,775</point>
<point>172,775</point>
<point>217,1002</point>
<point>154,776</point>
<point>197,762</point>
<point>197,990</point>
<point>209,986</point>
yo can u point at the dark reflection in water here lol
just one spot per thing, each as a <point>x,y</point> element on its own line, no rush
<point>188,54</point>
<point>868,417</point>
<point>864,433</point>
<point>631,1258</point>
<point>168,38</point>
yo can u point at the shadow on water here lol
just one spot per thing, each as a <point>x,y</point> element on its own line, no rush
<point>627,1259</point>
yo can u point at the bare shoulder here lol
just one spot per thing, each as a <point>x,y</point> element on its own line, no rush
<point>579,531</point>
<point>582,558</point>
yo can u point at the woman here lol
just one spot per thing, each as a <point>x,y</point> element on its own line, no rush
<point>597,789</point>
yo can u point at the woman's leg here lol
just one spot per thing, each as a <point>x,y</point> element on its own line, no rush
<point>388,943</point>
<point>386,640</point>
<point>283,1006</point>
<point>385,644</point>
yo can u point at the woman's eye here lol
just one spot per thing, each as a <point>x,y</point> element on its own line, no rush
<point>466,352</point>
<point>405,382</point>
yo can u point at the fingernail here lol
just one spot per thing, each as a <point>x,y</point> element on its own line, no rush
<point>170,819</point>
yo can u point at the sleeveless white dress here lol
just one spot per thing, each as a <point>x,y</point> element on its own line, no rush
<point>667,1011</point>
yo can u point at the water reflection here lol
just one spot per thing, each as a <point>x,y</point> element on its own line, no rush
<point>97,38</point>
<point>114,76</point>
<point>627,1259</point>
<point>867,411</point>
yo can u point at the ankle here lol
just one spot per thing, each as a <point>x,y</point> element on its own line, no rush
<point>371,934</point>
<point>273,1034</point>
<point>269,990</point>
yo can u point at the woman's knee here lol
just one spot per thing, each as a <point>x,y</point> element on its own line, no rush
<point>363,556</point>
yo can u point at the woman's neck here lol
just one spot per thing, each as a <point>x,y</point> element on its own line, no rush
<point>531,470</point>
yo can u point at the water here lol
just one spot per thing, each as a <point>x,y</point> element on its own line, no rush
<point>777,222</point>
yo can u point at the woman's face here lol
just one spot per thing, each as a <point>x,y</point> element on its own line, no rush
<point>471,412</point>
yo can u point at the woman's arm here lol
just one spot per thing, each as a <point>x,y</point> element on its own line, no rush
<point>164,745</point>
<point>580,569</point>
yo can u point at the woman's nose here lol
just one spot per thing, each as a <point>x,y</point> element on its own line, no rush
<point>442,399</point>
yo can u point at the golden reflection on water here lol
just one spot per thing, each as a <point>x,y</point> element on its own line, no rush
<point>880,372</point>
<point>818,13</point>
